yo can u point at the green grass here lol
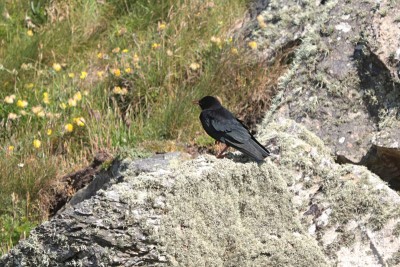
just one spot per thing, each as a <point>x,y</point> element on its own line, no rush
<point>145,61</point>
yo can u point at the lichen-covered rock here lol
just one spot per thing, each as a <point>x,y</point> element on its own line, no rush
<point>343,84</point>
<point>349,210</point>
<point>299,208</point>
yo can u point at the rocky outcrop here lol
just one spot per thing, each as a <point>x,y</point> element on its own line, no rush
<point>311,204</point>
<point>343,84</point>
<point>299,208</point>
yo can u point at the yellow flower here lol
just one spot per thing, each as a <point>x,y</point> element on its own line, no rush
<point>100,74</point>
<point>155,45</point>
<point>135,58</point>
<point>22,103</point>
<point>117,72</point>
<point>68,127</point>
<point>78,96</point>
<point>86,92</point>
<point>252,45</point>
<point>116,50</point>
<point>25,66</point>
<point>194,66</point>
<point>117,90</point>
<point>83,75</point>
<point>261,22</point>
<point>120,91</point>
<point>234,51</point>
<point>12,116</point>
<point>36,143</point>
<point>63,106</point>
<point>125,51</point>
<point>9,99</point>
<point>71,75</point>
<point>37,109</point>
<point>46,99</point>
<point>49,132</point>
<point>100,55</point>
<point>29,33</point>
<point>57,67</point>
<point>29,85</point>
<point>79,121</point>
<point>10,148</point>
<point>124,91</point>
<point>161,26</point>
<point>128,70</point>
<point>215,40</point>
<point>71,102</point>
<point>51,115</point>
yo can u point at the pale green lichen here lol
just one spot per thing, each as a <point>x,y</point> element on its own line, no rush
<point>351,191</point>
<point>394,260</point>
<point>235,215</point>
<point>319,40</point>
<point>396,230</point>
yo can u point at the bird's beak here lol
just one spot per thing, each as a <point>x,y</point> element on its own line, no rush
<point>195,102</point>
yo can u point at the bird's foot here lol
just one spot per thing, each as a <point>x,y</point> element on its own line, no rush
<point>220,156</point>
<point>222,153</point>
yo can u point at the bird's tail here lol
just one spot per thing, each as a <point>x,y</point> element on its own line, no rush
<point>254,150</point>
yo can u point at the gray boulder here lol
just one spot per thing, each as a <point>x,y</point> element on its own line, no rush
<point>297,209</point>
<point>343,84</point>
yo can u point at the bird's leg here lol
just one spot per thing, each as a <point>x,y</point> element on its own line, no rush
<point>221,154</point>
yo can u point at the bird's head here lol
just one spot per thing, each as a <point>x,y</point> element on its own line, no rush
<point>208,102</point>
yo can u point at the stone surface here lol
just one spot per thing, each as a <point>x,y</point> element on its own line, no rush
<point>299,208</point>
<point>343,84</point>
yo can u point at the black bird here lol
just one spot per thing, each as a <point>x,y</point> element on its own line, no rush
<point>222,125</point>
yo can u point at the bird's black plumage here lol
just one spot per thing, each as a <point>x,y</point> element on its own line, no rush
<point>222,125</point>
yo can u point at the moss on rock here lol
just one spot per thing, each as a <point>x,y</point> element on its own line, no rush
<point>235,214</point>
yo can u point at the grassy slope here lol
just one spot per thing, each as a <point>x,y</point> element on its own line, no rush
<point>108,76</point>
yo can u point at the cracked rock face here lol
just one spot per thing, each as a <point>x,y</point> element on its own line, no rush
<point>343,84</point>
<point>299,208</point>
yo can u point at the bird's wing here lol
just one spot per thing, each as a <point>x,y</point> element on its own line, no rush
<point>238,136</point>
<point>233,129</point>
